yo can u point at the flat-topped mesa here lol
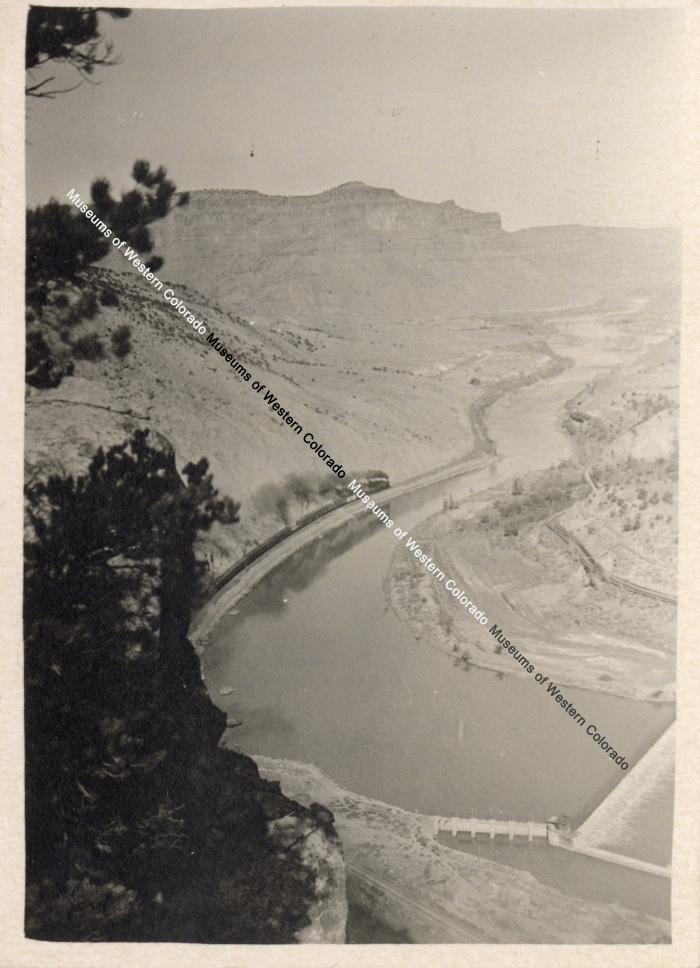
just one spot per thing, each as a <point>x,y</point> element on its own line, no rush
<point>347,198</point>
<point>358,252</point>
<point>357,189</point>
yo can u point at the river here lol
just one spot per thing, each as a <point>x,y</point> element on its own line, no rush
<point>323,671</point>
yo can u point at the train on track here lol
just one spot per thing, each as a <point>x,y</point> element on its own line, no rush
<point>371,481</point>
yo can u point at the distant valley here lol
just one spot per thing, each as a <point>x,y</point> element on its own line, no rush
<point>378,321</point>
<point>368,254</point>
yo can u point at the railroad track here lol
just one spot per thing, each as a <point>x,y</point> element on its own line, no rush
<point>594,568</point>
<point>412,904</point>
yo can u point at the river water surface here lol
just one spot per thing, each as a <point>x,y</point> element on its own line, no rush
<point>322,671</point>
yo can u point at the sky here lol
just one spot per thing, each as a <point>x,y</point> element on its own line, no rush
<point>545,116</point>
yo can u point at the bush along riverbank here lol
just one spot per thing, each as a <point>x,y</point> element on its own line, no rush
<point>139,826</point>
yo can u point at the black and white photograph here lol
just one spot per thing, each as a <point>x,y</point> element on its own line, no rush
<point>351,476</point>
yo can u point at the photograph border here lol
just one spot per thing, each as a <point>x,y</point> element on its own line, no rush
<point>16,951</point>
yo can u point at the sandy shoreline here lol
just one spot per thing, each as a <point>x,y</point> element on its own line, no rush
<point>415,884</point>
<point>228,596</point>
<point>442,895</point>
<point>587,661</point>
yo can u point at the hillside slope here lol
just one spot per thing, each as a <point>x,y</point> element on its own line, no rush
<point>357,253</point>
<point>398,399</point>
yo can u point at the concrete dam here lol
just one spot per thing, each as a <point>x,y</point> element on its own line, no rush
<point>555,832</point>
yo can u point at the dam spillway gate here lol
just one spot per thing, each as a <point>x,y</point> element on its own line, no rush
<point>492,828</point>
<point>554,833</point>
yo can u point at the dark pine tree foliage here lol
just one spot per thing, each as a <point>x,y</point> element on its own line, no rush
<point>67,35</point>
<point>138,826</point>
<point>107,550</point>
<point>61,244</point>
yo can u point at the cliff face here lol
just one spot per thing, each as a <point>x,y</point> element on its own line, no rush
<point>357,252</point>
<point>139,826</point>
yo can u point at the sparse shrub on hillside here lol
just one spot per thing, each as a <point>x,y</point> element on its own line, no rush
<point>48,364</point>
<point>67,308</point>
<point>62,243</point>
<point>88,347</point>
<point>121,344</point>
<point>108,297</point>
<point>88,307</point>
<point>552,493</point>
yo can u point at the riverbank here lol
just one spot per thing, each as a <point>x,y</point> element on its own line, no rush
<point>424,892</point>
<point>275,669</point>
<point>575,627</point>
<point>499,579</point>
<point>226,597</point>
<point>480,454</point>
<point>482,449</point>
